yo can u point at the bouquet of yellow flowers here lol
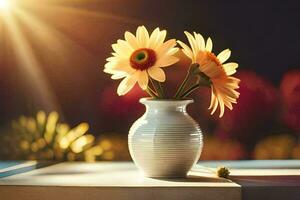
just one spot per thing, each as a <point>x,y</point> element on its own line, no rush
<point>141,58</point>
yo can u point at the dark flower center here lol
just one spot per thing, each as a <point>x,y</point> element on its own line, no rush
<point>143,59</point>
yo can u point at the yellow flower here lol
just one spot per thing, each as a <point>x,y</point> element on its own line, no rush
<point>223,85</point>
<point>138,57</point>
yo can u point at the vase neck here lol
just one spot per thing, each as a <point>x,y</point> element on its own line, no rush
<point>166,105</point>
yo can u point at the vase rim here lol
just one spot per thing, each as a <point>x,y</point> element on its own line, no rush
<point>149,99</point>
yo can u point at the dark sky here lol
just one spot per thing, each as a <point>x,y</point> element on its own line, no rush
<point>263,35</point>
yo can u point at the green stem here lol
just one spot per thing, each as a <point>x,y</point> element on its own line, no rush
<point>193,69</point>
<point>161,89</point>
<point>155,89</point>
<point>190,90</point>
<point>182,86</point>
<point>158,88</point>
<point>202,80</point>
<point>151,92</point>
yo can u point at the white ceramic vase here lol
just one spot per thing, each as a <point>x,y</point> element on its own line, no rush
<point>165,142</point>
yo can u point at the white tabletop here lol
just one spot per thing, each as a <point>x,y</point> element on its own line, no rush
<point>122,180</point>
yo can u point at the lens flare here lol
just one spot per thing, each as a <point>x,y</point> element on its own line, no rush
<point>5,5</point>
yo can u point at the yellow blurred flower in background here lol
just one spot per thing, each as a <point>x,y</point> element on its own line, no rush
<point>219,149</point>
<point>44,138</point>
<point>277,147</point>
<point>223,85</point>
<point>296,152</point>
<point>140,57</point>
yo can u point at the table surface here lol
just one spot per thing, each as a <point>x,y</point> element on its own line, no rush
<point>121,180</point>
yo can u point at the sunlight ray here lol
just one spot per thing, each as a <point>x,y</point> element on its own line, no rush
<point>66,10</point>
<point>30,66</point>
<point>49,36</point>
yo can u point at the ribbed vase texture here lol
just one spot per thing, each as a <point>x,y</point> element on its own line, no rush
<point>165,141</point>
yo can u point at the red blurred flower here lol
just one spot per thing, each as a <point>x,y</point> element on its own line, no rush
<point>290,94</point>
<point>119,112</point>
<point>254,111</point>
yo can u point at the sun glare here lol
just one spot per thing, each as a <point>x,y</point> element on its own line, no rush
<point>14,11</point>
<point>5,5</point>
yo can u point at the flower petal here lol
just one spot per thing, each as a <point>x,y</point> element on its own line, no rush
<point>143,80</point>
<point>200,42</point>
<point>172,51</point>
<point>125,46</point>
<point>142,36</point>
<point>127,84</point>
<point>166,61</point>
<point>165,48</point>
<point>131,39</point>
<point>157,74</point>
<point>221,103</point>
<point>214,101</point>
<point>154,38</point>
<point>109,71</point>
<point>186,50</point>
<point>230,68</point>
<point>209,45</point>
<point>123,50</point>
<point>227,103</point>
<point>112,59</point>
<point>119,75</point>
<point>224,55</point>
<point>211,70</point>
<point>229,92</point>
<point>160,40</point>
<point>192,42</point>
<point>120,65</point>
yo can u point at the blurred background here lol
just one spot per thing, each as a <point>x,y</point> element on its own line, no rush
<point>57,104</point>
